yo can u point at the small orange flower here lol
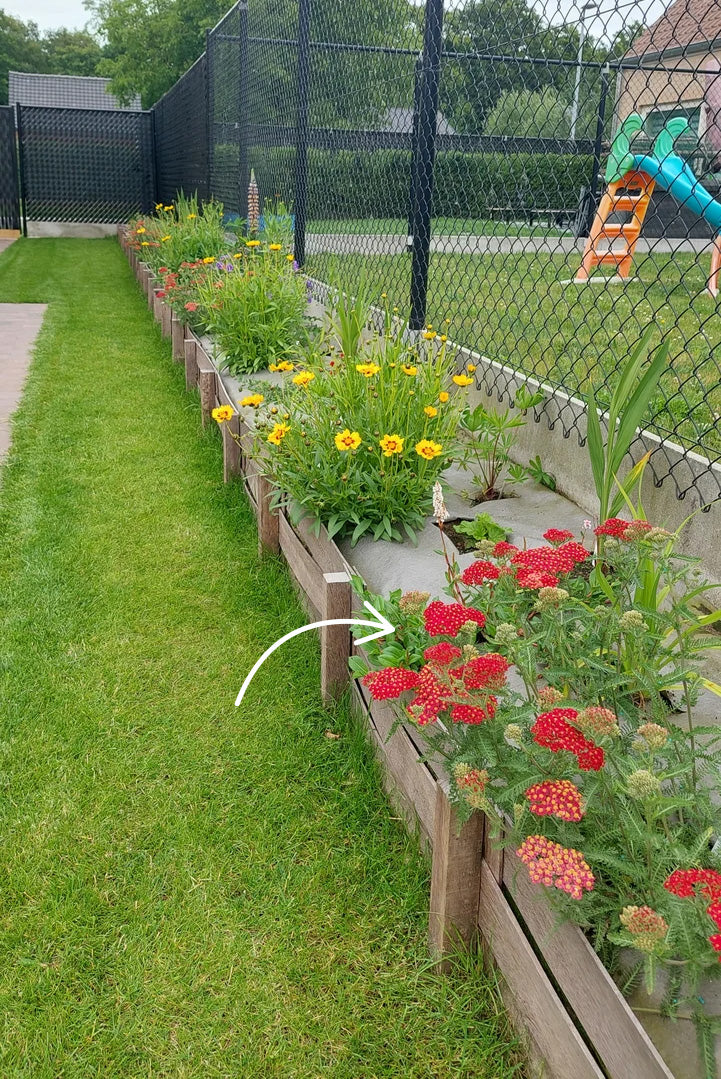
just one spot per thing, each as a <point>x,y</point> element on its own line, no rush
<point>222,413</point>
<point>430,411</point>
<point>443,397</point>
<point>303,378</point>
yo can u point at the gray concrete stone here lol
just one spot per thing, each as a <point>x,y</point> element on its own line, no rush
<point>19,326</point>
<point>78,230</point>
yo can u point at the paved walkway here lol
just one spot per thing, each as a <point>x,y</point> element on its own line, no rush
<point>19,326</point>
<point>467,244</point>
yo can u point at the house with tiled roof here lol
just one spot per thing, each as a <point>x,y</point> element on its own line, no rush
<point>673,68</point>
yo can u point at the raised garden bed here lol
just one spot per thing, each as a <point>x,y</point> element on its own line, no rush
<point>577,1022</point>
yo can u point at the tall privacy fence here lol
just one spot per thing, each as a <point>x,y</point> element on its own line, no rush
<point>545,176</point>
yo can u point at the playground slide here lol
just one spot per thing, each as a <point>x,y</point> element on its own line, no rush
<point>668,170</point>
<point>676,177</point>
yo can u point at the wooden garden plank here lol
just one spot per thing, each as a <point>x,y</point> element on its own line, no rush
<point>455,880</point>
<point>533,998</point>
<point>335,641</point>
<point>589,989</point>
<point>401,758</point>
<point>268,520</point>
<point>302,565</point>
<point>321,547</point>
<point>177,336</point>
<point>191,363</point>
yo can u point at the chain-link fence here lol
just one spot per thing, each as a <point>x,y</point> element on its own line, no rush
<point>539,180</point>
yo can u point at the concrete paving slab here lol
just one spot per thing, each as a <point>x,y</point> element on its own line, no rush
<point>19,326</point>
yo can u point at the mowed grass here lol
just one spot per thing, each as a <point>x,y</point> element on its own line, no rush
<point>186,890</point>
<point>516,310</point>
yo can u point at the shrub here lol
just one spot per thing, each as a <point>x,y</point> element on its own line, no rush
<point>360,433</point>
<point>178,233</point>
<point>607,800</point>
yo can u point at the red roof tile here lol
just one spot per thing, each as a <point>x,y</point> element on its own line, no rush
<point>685,22</point>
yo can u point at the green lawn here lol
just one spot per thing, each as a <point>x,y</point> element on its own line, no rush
<point>514,309</point>
<point>186,891</point>
<point>442,226</point>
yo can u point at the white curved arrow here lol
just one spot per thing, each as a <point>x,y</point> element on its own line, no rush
<point>380,624</point>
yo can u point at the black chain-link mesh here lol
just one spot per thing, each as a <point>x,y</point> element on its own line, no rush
<point>9,189</point>
<point>85,164</point>
<point>181,136</point>
<point>456,157</point>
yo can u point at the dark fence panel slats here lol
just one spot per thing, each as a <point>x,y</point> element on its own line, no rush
<point>181,136</point>
<point>9,186</point>
<point>90,165</point>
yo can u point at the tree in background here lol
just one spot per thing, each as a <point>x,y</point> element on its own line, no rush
<point>58,52</point>
<point>530,114</point>
<point>150,43</point>
<point>20,50</point>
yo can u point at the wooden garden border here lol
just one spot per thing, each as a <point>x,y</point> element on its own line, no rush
<point>578,1025</point>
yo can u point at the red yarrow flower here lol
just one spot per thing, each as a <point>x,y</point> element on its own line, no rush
<point>557,535</point>
<point>684,882</point>
<point>473,713</point>
<point>483,671</point>
<point>534,578</point>
<point>503,549</point>
<point>625,530</point>
<point>442,654</point>
<point>161,294</point>
<point>556,798</point>
<point>390,682</point>
<point>553,731</point>
<point>430,700</point>
<point>715,942</point>
<point>447,618</point>
<point>555,866</point>
<point>480,571</point>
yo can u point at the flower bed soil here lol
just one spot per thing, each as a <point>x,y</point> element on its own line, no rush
<point>578,1026</point>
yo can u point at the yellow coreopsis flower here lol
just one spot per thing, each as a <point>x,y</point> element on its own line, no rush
<point>145,243</point>
<point>347,440</point>
<point>427,449</point>
<point>158,206</point>
<point>391,444</point>
<point>164,239</point>
<point>222,413</point>
<point>470,368</point>
<point>141,230</point>
<point>208,259</point>
<point>462,380</point>
<point>443,397</point>
<point>252,243</point>
<point>252,400</point>
<point>409,369</point>
<point>275,247</point>
<point>284,365</point>
<point>190,217</point>
<point>290,257</point>
<point>368,370</point>
<point>430,411</point>
<point>429,335</point>
<point>303,378</point>
<point>238,255</point>
<point>278,433</point>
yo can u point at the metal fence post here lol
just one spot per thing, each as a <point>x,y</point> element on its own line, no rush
<point>417,83</point>
<point>301,134</point>
<point>243,104</point>
<point>425,159</point>
<point>210,106</point>
<point>597,148</point>
<point>21,169</point>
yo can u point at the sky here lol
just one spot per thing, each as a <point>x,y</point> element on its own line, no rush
<point>612,14</point>
<point>48,14</point>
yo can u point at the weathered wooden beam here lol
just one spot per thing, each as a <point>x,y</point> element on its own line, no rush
<point>268,521</point>
<point>455,881</point>
<point>177,337</point>
<point>335,643</point>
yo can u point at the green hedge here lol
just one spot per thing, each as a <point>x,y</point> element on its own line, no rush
<point>350,184</point>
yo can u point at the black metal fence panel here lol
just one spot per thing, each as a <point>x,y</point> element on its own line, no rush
<point>9,186</point>
<point>181,136</point>
<point>91,165</point>
<point>539,178</point>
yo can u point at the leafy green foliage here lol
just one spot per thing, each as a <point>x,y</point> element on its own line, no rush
<point>491,439</point>
<point>482,527</point>
<point>605,659</point>
<point>360,437</point>
<point>61,52</point>
<point>181,232</point>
